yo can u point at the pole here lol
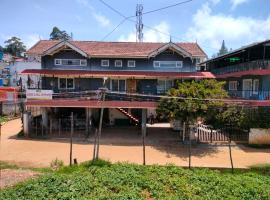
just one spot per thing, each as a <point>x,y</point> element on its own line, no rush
<point>143,133</point>
<point>100,123</point>
<point>184,131</point>
<point>230,149</point>
<point>95,145</point>
<point>189,149</point>
<point>71,135</point>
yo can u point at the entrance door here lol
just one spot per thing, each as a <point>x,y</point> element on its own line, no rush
<point>247,88</point>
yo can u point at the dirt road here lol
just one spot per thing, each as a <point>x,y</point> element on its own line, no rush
<point>39,153</point>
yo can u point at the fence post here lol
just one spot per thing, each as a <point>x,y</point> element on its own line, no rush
<point>71,135</point>
<point>184,131</point>
<point>189,148</point>
<point>59,127</point>
<point>36,127</point>
<point>42,128</point>
<point>211,136</point>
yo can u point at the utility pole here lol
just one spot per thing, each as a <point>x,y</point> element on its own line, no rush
<point>71,138</point>
<point>139,23</point>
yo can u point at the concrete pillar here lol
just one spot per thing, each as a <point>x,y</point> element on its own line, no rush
<point>26,123</point>
<point>44,114</point>
<point>144,116</point>
<point>88,114</point>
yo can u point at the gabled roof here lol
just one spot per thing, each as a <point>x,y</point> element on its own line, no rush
<point>116,49</point>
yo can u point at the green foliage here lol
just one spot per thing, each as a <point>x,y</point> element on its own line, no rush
<point>57,34</point>
<point>191,99</point>
<point>260,118</point>
<point>14,46</point>
<point>127,181</point>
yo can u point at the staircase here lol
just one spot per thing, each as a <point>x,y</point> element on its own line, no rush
<point>129,115</point>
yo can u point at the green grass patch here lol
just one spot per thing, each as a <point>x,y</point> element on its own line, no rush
<point>3,119</point>
<point>103,180</point>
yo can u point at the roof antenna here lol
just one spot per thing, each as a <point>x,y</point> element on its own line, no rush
<point>170,39</point>
<point>139,23</point>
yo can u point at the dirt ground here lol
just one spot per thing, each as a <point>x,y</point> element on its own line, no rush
<point>10,177</point>
<point>125,146</point>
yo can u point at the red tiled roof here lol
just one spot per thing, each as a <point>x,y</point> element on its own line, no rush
<point>258,72</point>
<point>90,103</point>
<point>135,74</point>
<point>117,49</point>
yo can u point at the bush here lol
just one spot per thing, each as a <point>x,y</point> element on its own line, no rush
<point>56,164</point>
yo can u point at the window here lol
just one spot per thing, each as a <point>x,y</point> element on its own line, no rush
<point>164,85</point>
<point>118,85</point>
<point>57,61</point>
<point>71,62</point>
<point>255,86</point>
<point>232,85</point>
<point>105,63</point>
<point>131,63</point>
<point>156,63</point>
<point>168,64</point>
<point>66,83</point>
<point>118,63</point>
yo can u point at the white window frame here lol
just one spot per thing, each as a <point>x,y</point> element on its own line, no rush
<point>55,61</point>
<point>178,64</point>
<point>61,62</point>
<point>66,84</point>
<point>131,61</point>
<point>165,81</point>
<point>233,85</point>
<point>111,80</point>
<point>105,65</point>
<point>156,64</point>
<point>118,61</point>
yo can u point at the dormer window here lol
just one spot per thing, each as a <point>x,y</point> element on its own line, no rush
<point>105,63</point>
<point>168,64</point>
<point>118,63</point>
<point>131,63</point>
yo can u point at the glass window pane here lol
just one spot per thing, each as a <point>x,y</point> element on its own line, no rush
<point>62,83</point>
<point>114,85</point>
<point>69,83</point>
<point>122,84</point>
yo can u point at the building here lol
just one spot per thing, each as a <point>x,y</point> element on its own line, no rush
<point>246,72</point>
<point>72,73</point>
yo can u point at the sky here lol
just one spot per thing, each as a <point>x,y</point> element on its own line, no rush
<point>207,22</point>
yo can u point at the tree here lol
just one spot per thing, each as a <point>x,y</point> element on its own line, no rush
<point>192,99</point>
<point>14,46</point>
<point>57,34</point>
<point>223,50</point>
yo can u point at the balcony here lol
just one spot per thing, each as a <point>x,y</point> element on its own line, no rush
<point>251,95</point>
<point>251,65</point>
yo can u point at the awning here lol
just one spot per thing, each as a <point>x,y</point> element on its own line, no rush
<point>131,74</point>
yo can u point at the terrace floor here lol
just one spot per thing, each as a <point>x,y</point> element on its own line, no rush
<point>124,145</point>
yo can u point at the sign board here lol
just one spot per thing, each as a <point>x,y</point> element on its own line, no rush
<point>39,94</point>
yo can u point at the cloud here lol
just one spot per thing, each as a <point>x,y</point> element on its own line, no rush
<point>101,19</point>
<point>30,40</point>
<point>210,29</point>
<point>160,35</point>
<point>236,3</point>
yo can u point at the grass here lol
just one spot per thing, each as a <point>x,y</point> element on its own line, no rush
<point>3,119</point>
<point>103,180</point>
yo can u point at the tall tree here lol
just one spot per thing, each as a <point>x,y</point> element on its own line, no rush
<point>14,46</point>
<point>57,34</point>
<point>223,50</point>
<point>192,99</point>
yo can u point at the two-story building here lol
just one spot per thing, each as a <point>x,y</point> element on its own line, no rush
<point>246,71</point>
<point>72,73</point>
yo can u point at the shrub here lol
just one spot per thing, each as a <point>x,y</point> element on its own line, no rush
<point>56,164</point>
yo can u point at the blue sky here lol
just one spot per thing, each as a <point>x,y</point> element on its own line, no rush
<point>238,22</point>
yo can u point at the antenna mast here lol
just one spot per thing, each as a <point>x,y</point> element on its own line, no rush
<point>139,24</point>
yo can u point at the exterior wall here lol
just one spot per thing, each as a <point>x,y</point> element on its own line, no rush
<point>141,64</point>
<point>115,114</point>
<point>259,136</point>
<point>266,83</point>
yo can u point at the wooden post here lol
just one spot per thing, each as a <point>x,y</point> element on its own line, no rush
<point>100,123</point>
<point>144,111</point>
<point>95,145</point>
<point>230,149</point>
<point>71,137</point>
<point>59,127</point>
<point>184,131</point>
<point>189,149</point>
<point>211,136</point>
<point>36,127</point>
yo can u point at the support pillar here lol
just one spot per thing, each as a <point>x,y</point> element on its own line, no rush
<point>26,124</point>
<point>88,114</point>
<point>44,114</point>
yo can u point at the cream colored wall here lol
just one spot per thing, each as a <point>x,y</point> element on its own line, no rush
<point>259,136</point>
<point>115,114</point>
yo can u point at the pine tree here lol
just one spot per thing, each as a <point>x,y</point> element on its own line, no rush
<point>223,50</point>
<point>57,34</point>
<point>14,46</point>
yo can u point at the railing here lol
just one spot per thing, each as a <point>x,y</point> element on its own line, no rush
<point>251,65</point>
<point>250,94</point>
